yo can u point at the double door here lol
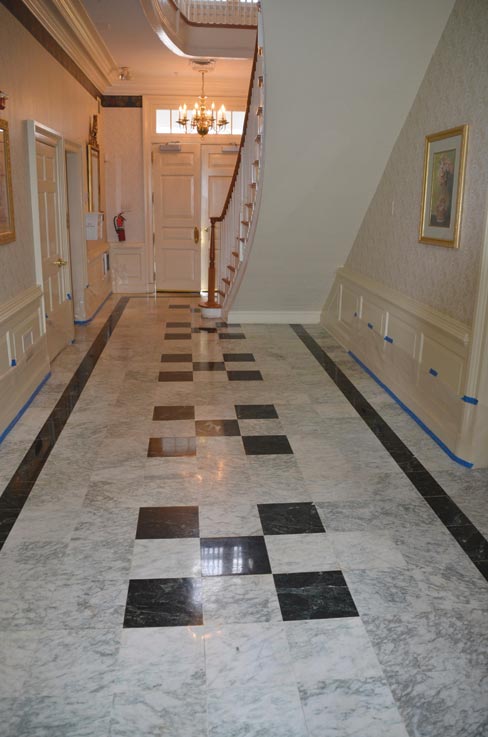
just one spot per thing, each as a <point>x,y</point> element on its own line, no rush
<point>190,184</point>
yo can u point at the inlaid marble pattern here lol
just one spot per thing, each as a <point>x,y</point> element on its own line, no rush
<point>202,557</point>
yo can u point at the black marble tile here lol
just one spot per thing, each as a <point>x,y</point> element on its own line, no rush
<point>234,556</point>
<point>176,376</point>
<point>179,307</point>
<point>178,324</point>
<point>176,358</point>
<point>244,375</point>
<point>256,412</point>
<point>8,518</point>
<point>228,325</point>
<point>204,330</point>
<point>208,366</point>
<point>425,484</point>
<point>238,357</point>
<point>258,445</point>
<point>217,428</point>
<point>171,447</point>
<point>290,519</point>
<point>447,511</point>
<point>472,542</point>
<point>232,336</point>
<point>174,413</point>
<point>158,523</point>
<point>164,602</point>
<point>322,595</point>
<point>177,336</point>
<point>482,566</point>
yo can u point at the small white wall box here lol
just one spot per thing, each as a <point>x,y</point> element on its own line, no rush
<point>94,226</point>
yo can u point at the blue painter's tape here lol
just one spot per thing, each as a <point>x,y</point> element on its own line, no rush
<point>469,400</point>
<point>370,325</point>
<point>85,322</point>
<point>442,446</point>
<point>19,414</point>
<point>388,339</point>
<point>433,372</point>
<point>13,362</point>
<point>68,295</point>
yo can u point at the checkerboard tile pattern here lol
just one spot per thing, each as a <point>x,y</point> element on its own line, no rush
<point>169,539</point>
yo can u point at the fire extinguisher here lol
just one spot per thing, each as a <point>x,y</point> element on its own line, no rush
<point>119,221</point>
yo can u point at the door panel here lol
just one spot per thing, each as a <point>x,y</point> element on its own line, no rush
<point>55,276</point>
<point>176,188</point>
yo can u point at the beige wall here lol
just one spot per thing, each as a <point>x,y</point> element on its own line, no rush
<point>454,92</point>
<point>124,171</point>
<point>38,88</point>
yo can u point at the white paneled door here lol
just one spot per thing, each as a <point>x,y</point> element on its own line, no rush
<point>53,247</point>
<point>176,190</point>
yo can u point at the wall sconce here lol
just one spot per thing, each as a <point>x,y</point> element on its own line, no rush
<point>3,100</point>
<point>125,74</point>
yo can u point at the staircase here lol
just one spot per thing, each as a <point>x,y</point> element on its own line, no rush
<point>232,231</point>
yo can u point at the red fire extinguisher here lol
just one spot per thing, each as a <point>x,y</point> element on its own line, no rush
<point>119,221</point>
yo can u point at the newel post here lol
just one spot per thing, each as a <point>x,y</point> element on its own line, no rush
<point>211,303</point>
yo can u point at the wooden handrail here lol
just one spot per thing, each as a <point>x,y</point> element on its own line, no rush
<point>211,302</point>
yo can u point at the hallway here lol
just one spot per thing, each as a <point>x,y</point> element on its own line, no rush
<point>234,534</point>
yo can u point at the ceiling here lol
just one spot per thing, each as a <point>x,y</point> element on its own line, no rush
<point>132,43</point>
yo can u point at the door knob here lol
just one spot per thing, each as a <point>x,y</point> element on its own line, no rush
<point>196,234</point>
<point>60,262</point>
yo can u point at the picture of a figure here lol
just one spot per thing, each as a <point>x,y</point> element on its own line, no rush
<point>443,163</point>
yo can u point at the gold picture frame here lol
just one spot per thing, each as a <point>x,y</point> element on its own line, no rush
<point>443,187</point>
<point>93,154</point>
<point>7,222</point>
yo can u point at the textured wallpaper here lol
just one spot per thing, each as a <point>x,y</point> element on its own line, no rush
<point>454,91</point>
<point>39,88</point>
<point>124,172</point>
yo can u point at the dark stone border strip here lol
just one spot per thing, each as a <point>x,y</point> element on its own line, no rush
<point>461,528</point>
<point>22,482</point>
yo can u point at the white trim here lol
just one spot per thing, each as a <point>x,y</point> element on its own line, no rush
<point>23,299</point>
<point>70,25</point>
<point>458,330</point>
<point>272,317</point>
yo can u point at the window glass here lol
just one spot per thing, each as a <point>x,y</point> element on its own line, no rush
<point>163,122</point>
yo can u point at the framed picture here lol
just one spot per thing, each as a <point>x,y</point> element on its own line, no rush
<point>93,178</point>
<point>442,194</point>
<point>7,224</point>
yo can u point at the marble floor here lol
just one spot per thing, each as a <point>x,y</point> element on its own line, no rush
<point>214,530</point>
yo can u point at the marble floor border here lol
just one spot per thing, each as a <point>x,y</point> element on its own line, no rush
<point>461,528</point>
<point>22,482</point>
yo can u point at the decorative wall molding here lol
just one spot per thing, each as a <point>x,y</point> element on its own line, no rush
<point>275,317</point>
<point>67,33</point>
<point>418,353</point>
<point>122,101</point>
<point>128,265</point>
<point>24,361</point>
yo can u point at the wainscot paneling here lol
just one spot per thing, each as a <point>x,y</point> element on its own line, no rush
<point>128,266</point>
<point>24,362</point>
<point>418,353</point>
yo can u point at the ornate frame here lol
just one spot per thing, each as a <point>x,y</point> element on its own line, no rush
<point>93,156</point>
<point>7,222</point>
<point>443,187</point>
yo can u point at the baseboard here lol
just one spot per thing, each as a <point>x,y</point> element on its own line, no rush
<point>86,322</point>
<point>273,317</point>
<point>419,354</point>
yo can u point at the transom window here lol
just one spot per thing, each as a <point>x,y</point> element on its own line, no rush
<point>166,122</point>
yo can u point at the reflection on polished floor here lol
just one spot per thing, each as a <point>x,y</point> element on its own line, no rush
<point>227,531</point>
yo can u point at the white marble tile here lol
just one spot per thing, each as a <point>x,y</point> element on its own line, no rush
<point>16,655</point>
<point>346,708</point>
<point>255,712</point>
<point>301,553</point>
<point>159,713</point>
<point>168,558</point>
<point>59,715</point>
<point>366,551</point>
<point>329,649</point>
<point>229,520</point>
<point>240,599</point>
<point>247,656</point>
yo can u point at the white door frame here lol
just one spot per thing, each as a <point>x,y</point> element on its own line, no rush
<point>38,132</point>
<point>75,187</point>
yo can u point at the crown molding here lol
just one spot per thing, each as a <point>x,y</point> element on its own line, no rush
<point>71,27</point>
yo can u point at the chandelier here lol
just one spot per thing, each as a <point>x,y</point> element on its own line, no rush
<point>201,118</point>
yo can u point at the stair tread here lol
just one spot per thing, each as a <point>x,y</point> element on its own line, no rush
<point>221,292</point>
<point>231,268</point>
<point>245,222</point>
<point>226,281</point>
<point>235,253</point>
